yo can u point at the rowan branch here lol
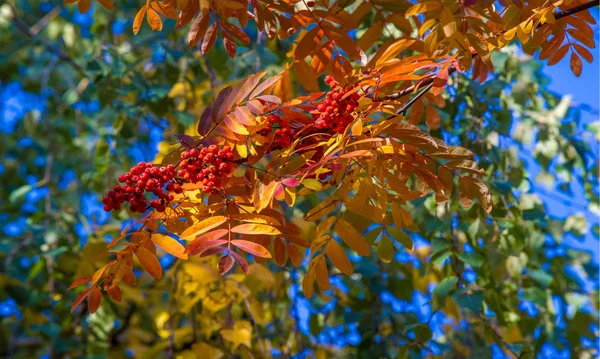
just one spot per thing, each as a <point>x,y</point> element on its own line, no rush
<point>451,70</point>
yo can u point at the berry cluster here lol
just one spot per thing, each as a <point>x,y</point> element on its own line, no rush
<point>284,134</point>
<point>335,112</point>
<point>144,177</point>
<point>207,165</point>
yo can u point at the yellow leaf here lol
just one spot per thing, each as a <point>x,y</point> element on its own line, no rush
<point>255,229</point>
<point>240,334</point>
<point>352,238</point>
<point>203,226</point>
<point>338,257</point>
<point>423,7</point>
<point>98,274</point>
<point>307,283</point>
<point>322,209</point>
<point>169,245</point>
<point>255,218</point>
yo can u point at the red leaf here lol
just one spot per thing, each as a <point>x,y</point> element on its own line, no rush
<point>80,281</point>
<point>206,245</point>
<point>225,264</point>
<point>210,236</point>
<point>241,261</point>
<point>80,298</point>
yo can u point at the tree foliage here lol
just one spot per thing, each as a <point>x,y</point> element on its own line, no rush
<point>354,186</point>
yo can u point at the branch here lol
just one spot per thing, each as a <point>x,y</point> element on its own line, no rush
<point>22,26</point>
<point>451,70</point>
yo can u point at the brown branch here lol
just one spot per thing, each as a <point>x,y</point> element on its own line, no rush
<point>451,70</point>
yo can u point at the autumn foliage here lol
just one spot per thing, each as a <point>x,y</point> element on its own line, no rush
<point>227,191</point>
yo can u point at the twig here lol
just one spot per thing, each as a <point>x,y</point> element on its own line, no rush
<point>403,109</point>
<point>258,337</point>
<point>31,34</point>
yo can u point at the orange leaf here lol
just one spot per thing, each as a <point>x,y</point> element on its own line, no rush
<point>558,55</point>
<point>169,245</point>
<point>94,300</point>
<point>309,43</point>
<point>295,255</point>
<point>576,64</point>
<point>338,257</point>
<point>255,229</point>
<point>439,83</point>
<point>129,277</point>
<point>322,275</point>
<point>84,6</point>
<point>433,118</point>
<point>279,247</point>
<point>198,29</point>
<point>585,53</point>
<point>321,58</point>
<point>80,298</point>
<point>149,262</point>
<point>234,125</point>
<point>236,32</point>
<point>115,293</point>
<point>306,76</point>
<point>253,248</point>
<point>154,20</point>
<point>137,21</point>
<point>352,238</point>
<point>108,4</point>
<point>210,38</point>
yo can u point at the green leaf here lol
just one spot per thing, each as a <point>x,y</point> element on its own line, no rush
<point>541,277</point>
<point>535,295</point>
<point>401,237</point>
<point>19,193</point>
<point>445,286</point>
<point>473,259</point>
<point>385,249</point>
<point>473,301</point>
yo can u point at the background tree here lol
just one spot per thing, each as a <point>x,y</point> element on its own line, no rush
<point>85,100</point>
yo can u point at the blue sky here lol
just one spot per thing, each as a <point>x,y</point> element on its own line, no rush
<point>585,92</point>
